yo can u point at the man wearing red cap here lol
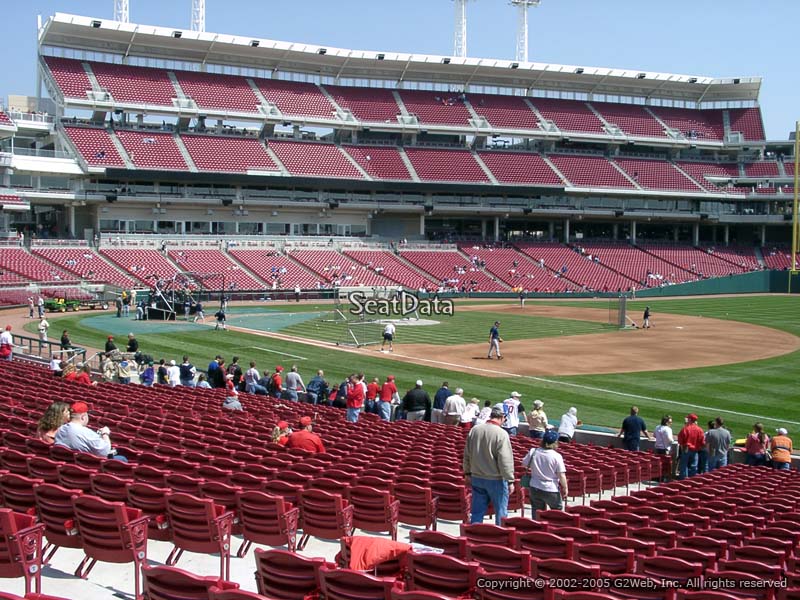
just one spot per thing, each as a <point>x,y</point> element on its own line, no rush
<point>355,398</point>
<point>691,440</point>
<point>387,394</point>
<point>276,383</point>
<point>304,438</point>
<point>75,433</point>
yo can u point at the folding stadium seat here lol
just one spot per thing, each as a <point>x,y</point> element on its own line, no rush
<point>152,501</point>
<point>43,468</point>
<point>266,519</point>
<point>660,537</point>
<point>610,559</point>
<point>674,569</point>
<point>493,558</point>
<point>588,512</point>
<point>449,544</point>
<point>110,532</point>
<point>324,515</point>
<point>183,484</point>
<point>752,567</point>
<point>109,487</point>
<point>169,583</point>
<point>374,510</point>
<point>289,492</point>
<point>732,524</point>
<point>707,559</point>
<point>180,466</point>
<point>149,475</point>
<point>577,534</point>
<point>484,533</point>
<point>89,461</point>
<point>606,527</point>
<point>346,584</point>
<point>62,453</point>
<point>37,447</point>
<point>16,492</point>
<point>77,478</point>
<point>14,461</point>
<point>545,545</point>
<point>561,568</point>
<point>523,524</point>
<point>287,576</point>
<point>326,484</point>
<point>442,574</point>
<point>21,548</point>
<point>55,510</point>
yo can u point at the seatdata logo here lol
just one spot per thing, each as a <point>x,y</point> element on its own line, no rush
<point>402,304</point>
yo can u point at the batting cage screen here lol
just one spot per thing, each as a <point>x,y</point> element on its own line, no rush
<point>618,312</point>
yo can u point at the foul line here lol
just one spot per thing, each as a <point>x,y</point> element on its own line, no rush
<point>279,352</point>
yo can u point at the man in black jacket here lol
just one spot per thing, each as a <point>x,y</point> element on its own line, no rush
<point>417,403</point>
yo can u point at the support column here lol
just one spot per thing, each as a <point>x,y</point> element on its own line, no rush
<point>696,234</point>
<point>633,232</point>
<point>763,235</point>
<point>497,229</point>
<point>422,224</point>
<point>727,236</point>
<point>71,219</point>
<point>675,233</point>
<point>566,231</point>
<point>552,227</point>
<point>714,234</point>
<point>368,230</point>
<point>483,229</point>
<point>615,231</point>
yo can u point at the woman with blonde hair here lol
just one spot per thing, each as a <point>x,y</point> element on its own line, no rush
<point>54,417</point>
<point>281,433</point>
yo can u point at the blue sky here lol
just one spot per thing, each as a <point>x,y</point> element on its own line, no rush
<point>697,37</point>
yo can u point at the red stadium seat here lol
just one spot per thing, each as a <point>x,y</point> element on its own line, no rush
<point>21,548</point>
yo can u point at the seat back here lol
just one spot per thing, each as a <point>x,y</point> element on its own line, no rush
<point>484,533</point>
<point>111,531</point>
<point>495,558</point>
<point>559,518</point>
<point>285,575</point>
<point>170,583</point>
<point>193,522</point>
<point>417,504</point>
<point>453,500</point>
<point>610,559</point>
<point>55,510</point>
<point>324,515</point>
<point>560,568</point>
<point>44,468</point>
<point>76,477</point>
<point>16,491</point>
<point>374,510</point>
<point>669,568</point>
<point>449,544</point>
<point>110,487</point>
<point>21,548</point>
<point>440,573</point>
<point>262,517</point>
<point>346,584</point>
<point>545,545</point>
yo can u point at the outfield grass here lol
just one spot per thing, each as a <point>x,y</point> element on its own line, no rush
<point>766,388</point>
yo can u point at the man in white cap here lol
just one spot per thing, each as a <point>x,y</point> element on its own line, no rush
<point>454,407</point>
<point>512,407</point>
<point>537,420</point>
<point>173,374</point>
<point>417,403</point>
<point>781,448</point>
<point>566,429</point>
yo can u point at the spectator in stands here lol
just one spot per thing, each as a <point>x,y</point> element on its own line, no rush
<point>213,366</point>
<point>281,433</point>
<point>304,437</point>
<point>548,475</point>
<point>513,408</point>
<point>124,371</point>
<point>54,417</point>
<point>251,381</point>
<point>202,382</point>
<point>110,345</point>
<point>219,379</point>
<point>69,373</point>
<point>55,366</point>
<point>416,403</point>
<point>161,373</point>
<point>66,343</point>
<point>148,375</point>
<point>294,384</point>
<point>317,389</point>
<point>439,398</point>
<point>485,412</point>
<point>355,398</point>
<point>133,344</point>
<point>275,383</point>
<point>756,446</point>
<point>236,370</point>
<point>470,413</point>
<point>371,402</point>
<point>173,374</point>
<point>489,467</point>
<point>454,408</point>
<point>663,436</point>
<point>187,372</point>
<point>718,442</point>
<point>7,344</point>
<point>76,435</point>
<point>388,396</point>
<point>84,375</point>
<point>690,439</point>
<point>231,401</point>
<point>781,447</point>
<point>537,420</point>
<point>108,369</point>
<point>566,428</point>
<point>633,426</point>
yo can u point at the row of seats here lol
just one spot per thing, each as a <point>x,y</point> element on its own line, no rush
<point>83,263</point>
<point>454,268</point>
<point>142,85</point>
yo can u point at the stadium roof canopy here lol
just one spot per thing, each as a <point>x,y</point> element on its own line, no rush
<point>148,41</point>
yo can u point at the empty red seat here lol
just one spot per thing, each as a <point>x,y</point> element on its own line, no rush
<point>169,583</point>
<point>285,575</point>
<point>21,548</point>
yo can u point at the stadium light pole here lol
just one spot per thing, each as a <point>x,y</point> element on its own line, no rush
<point>122,11</point>
<point>795,221</point>
<point>522,27</point>
<point>198,15</point>
<point>460,40</point>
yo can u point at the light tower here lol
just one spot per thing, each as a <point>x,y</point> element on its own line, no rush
<point>460,42</point>
<point>522,27</point>
<point>198,15</point>
<point>122,12</point>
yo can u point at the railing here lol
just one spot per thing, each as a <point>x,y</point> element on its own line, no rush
<point>32,117</point>
<point>40,153</point>
<point>45,351</point>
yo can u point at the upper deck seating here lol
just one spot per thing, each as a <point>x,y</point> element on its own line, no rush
<point>216,91</point>
<point>639,266</point>
<point>392,267</point>
<point>436,164</point>
<point>507,112</point>
<point>693,259</point>
<point>380,162</point>
<point>519,167</point>
<point>152,150</point>
<point>95,146</point>
<point>17,260</point>
<point>314,158</point>
<point>632,119</point>
<point>525,275</point>
<point>748,121</point>
<point>332,266</point>
<point>70,76</point>
<point>744,256</point>
<point>437,108</point>
<point>445,267</point>
<point>296,98</point>
<point>84,263</point>
<point>5,119</point>
<point>205,262</point>
<point>581,269</point>
<point>228,154</point>
<point>766,168</point>
<point>777,257</point>
<point>700,171</point>
<point>135,85</point>
<point>569,115</point>
<point>269,266</point>
<point>657,175</point>
<point>141,263</point>
<point>376,105</point>
<point>693,124</point>
<point>589,171</point>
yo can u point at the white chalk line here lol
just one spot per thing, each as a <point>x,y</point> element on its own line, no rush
<point>279,352</point>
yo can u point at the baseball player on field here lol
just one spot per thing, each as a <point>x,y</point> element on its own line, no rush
<point>494,341</point>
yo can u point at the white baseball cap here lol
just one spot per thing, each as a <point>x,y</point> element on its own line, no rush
<point>419,382</point>
<point>781,431</point>
<point>516,395</point>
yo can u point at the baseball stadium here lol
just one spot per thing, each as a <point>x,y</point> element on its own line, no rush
<point>592,242</point>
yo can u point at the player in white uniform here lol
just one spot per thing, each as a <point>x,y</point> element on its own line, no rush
<point>388,336</point>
